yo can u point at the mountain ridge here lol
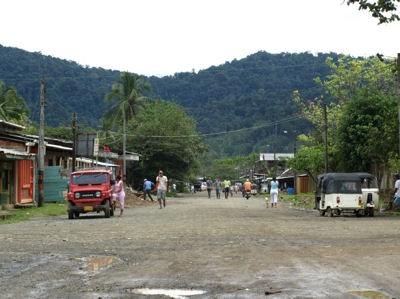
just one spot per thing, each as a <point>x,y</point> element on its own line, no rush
<point>237,94</point>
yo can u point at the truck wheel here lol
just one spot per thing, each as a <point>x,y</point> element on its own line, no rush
<point>70,212</point>
<point>76,214</point>
<point>112,210</point>
<point>329,211</point>
<point>107,212</point>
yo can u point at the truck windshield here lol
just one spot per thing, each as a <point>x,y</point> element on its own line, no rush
<point>90,178</point>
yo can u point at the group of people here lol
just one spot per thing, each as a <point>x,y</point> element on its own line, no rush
<point>224,186</point>
<point>161,185</point>
<point>228,188</point>
<point>118,193</point>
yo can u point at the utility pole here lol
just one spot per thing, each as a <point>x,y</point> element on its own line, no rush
<point>41,148</point>
<point>124,148</point>
<point>276,136</point>
<point>398,92</point>
<point>326,137</point>
<point>73,141</point>
<point>294,155</point>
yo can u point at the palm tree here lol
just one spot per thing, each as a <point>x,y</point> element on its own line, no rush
<point>128,93</point>
<point>12,105</point>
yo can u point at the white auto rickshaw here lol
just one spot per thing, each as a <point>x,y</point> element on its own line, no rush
<point>338,193</point>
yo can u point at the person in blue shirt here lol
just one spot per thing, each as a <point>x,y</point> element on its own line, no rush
<point>274,192</point>
<point>147,187</point>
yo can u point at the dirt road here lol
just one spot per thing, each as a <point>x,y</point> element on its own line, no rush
<point>202,248</point>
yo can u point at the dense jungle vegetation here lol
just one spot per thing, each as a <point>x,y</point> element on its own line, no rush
<point>254,92</point>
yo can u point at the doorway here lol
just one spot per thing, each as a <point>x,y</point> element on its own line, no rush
<point>6,183</point>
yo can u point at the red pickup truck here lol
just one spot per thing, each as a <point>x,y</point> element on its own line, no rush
<point>90,191</point>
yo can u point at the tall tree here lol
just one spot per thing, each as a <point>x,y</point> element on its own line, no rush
<point>128,93</point>
<point>368,131</point>
<point>383,10</point>
<point>12,106</point>
<point>308,159</point>
<point>166,138</point>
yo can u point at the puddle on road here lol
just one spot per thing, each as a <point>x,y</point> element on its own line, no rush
<point>94,264</point>
<point>177,294</point>
<point>370,294</point>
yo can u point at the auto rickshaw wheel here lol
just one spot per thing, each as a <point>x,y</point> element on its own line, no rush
<point>330,212</point>
<point>371,212</point>
<point>321,213</point>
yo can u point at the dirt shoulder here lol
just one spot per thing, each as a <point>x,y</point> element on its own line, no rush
<point>224,248</point>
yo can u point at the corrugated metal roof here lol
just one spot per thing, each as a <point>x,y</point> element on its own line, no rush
<point>14,154</point>
<point>59,147</point>
<point>274,156</point>
<point>86,160</point>
<point>11,125</point>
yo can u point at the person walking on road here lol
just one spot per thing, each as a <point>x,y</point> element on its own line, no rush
<point>227,187</point>
<point>119,194</point>
<point>147,187</point>
<point>209,184</point>
<point>162,186</point>
<point>274,190</point>
<point>218,188</point>
<point>396,191</point>
<point>247,186</point>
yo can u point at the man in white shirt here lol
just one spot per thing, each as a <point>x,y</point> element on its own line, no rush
<point>396,201</point>
<point>162,186</point>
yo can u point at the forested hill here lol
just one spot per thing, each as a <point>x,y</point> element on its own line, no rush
<point>238,94</point>
<point>70,87</point>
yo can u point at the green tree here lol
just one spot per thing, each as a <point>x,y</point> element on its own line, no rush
<point>128,93</point>
<point>349,75</point>
<point>383,10</point>
<point>166,139</point>
<point>368,131</point>
<point>12,106</point>
<point>349,80</point>
<point>308,159</point>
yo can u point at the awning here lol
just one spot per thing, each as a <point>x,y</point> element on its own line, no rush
<point>98,163</point>
<point>15,155</point>
<point>59,147</point>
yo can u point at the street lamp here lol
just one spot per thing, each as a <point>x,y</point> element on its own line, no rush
<point>294,153</point>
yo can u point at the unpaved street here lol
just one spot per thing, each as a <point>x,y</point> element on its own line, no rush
<point>213,248</point>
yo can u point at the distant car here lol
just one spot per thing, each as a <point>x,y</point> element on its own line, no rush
<point>197,186</point>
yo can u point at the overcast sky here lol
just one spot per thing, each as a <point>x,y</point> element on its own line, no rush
<point>163,37</point>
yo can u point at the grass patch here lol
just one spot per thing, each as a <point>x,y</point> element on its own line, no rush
<point>172,193</point>
<point>23,214</point>
<point>304,200</point>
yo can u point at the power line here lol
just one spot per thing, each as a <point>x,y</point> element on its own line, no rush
<point>289,119</point>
